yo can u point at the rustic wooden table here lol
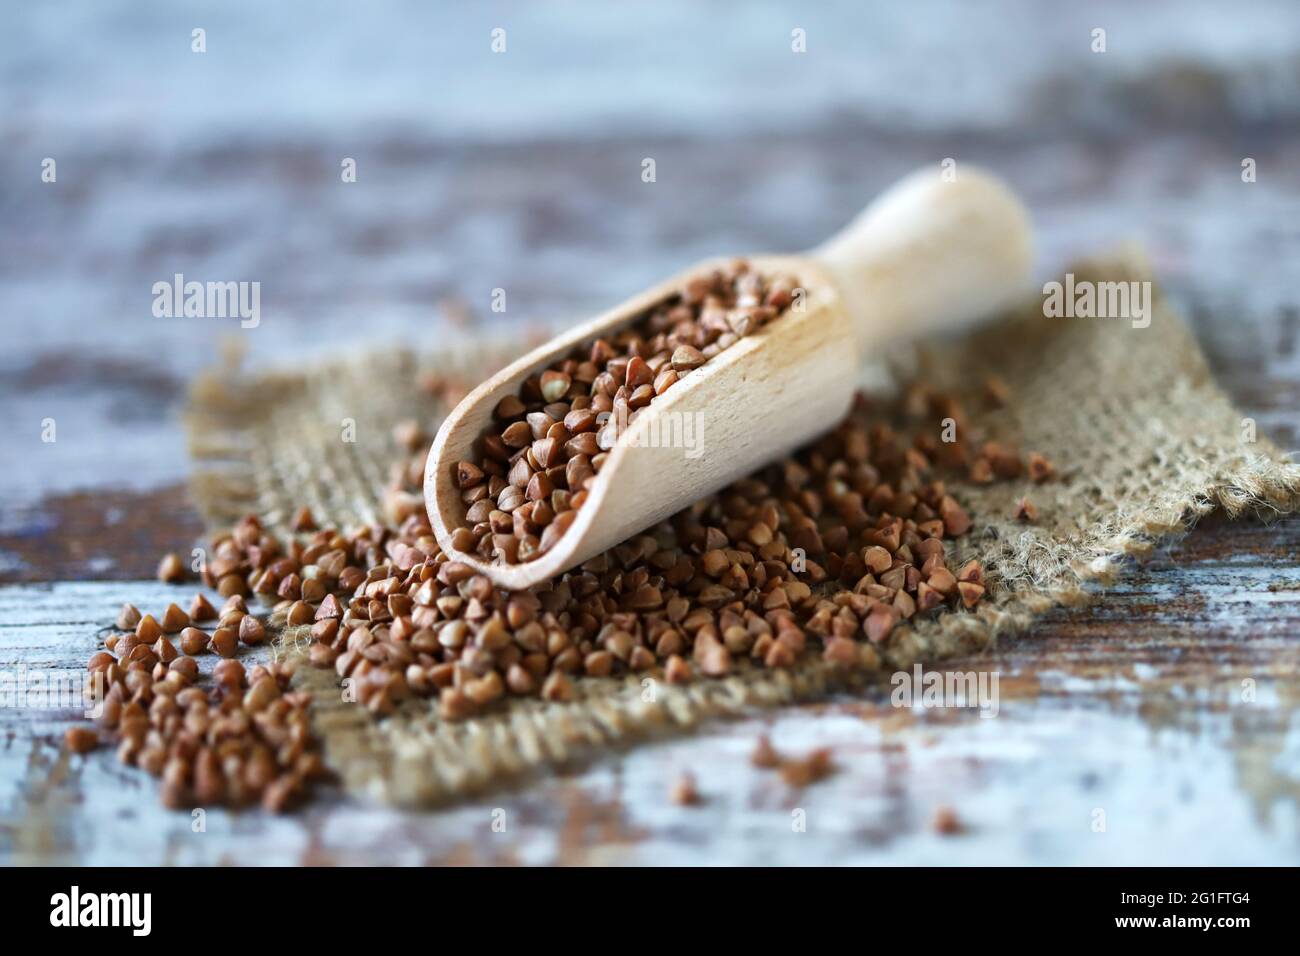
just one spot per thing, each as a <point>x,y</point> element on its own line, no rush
<point>1131,710</point>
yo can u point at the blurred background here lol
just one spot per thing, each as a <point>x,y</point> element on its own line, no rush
<point>521,170</point>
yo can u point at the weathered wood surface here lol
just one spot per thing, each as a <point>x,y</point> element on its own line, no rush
<point>512,179</point>
<point>1133,707</point>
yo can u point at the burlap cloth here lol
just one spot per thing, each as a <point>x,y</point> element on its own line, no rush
<point>1144,442</point>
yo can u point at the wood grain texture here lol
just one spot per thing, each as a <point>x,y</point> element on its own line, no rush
<point>1132,705</point>
<point>936,251</point>
<point>103,534</point>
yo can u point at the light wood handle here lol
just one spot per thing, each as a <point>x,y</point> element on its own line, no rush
<point>930,254</point>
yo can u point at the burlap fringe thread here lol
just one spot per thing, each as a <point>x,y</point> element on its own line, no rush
<point>1144,442</point>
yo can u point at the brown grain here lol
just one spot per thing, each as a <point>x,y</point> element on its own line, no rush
<point>174,620</point>
<point>80,740</point>
<point>128,618</point>
<point>251,631</point>
<point>171,570</point>
<point>765,754</point>
<point>1040,469</point>
<point>684,792</point>
<point>225,641</point>
<point>801,772</point>
<point>946,821</point>
<point>194,641</point>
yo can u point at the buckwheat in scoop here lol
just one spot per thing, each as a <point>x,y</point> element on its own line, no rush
<point>548,443</point>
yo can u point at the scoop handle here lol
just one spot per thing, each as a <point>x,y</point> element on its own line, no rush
<point>931,253</point>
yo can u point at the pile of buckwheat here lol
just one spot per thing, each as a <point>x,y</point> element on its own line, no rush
<point>244,738</point>
<point>823,553</point>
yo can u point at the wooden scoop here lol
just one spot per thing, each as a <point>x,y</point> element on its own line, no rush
<point>927,255</point>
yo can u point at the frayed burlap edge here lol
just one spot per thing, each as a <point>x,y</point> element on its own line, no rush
<point>1146,445</point>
